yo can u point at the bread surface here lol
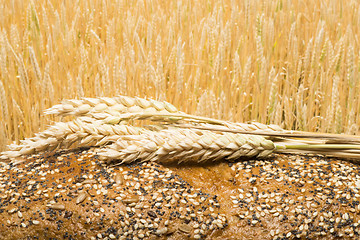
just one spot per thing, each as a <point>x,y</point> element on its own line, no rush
<point>71,195</point>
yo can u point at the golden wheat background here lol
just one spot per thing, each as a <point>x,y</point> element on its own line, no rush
<point>291,63</point>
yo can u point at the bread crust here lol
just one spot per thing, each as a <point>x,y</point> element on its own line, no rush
<point>74,196</point>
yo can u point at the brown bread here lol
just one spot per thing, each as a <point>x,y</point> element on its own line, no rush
<point>74,196</point>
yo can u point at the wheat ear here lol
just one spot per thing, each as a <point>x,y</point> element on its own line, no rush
<point>180,117</point>
<point>104,107</point>
<point>192,145</point>
<point>184,145</point>
<point>73,134</point>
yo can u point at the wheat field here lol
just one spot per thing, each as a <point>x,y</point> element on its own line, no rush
<point>291,63</point>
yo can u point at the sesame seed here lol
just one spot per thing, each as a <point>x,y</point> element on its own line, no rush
<point>185,228</point>
<point>12,210</point>
<point>81,197</point>
<point>57,206</point>
<point>130,200</point>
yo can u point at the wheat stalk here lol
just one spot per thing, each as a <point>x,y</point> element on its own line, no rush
<point>184,145</point>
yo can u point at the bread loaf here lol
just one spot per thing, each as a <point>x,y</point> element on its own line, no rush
<point>72,195</point>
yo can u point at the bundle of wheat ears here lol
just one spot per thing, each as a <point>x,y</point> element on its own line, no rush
<point>117,127</point>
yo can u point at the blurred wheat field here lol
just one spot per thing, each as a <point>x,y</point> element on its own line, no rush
<point>291,63</point>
